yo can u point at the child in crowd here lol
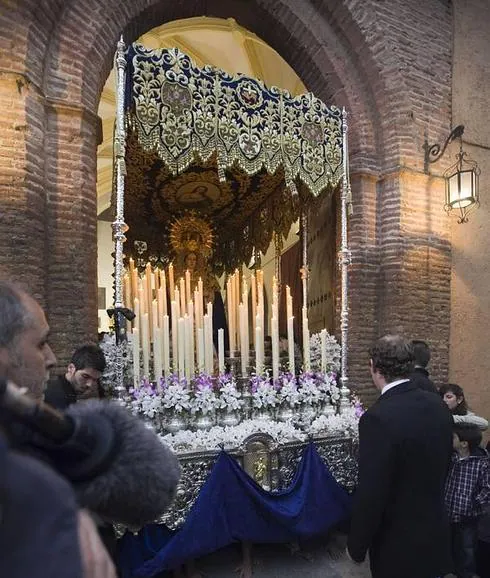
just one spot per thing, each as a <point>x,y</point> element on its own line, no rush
<point>467,494</point>
<point>453,397</point>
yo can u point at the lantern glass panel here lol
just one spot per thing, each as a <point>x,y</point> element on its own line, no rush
<point>461,189</point>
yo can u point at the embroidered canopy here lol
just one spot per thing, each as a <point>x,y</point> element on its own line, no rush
<point>243,156</point>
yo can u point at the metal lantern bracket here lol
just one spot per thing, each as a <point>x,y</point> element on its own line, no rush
<point>434,152</point>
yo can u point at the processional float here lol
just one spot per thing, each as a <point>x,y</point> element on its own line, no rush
<point>217,167</point>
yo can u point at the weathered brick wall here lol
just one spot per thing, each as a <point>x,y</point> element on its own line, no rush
<point>366,56</point>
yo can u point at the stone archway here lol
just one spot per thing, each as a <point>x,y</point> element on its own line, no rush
<point>351,54</point>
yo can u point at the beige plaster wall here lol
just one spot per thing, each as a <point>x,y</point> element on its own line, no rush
<point>470,280</point>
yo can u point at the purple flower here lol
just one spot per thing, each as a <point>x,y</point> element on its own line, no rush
<point>203,381</point>
<point>358,408</point>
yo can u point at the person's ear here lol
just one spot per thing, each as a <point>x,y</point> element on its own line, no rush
<point>71,369</point>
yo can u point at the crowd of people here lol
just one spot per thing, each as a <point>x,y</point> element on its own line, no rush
<point>422,505</point>
<point>421,508</point>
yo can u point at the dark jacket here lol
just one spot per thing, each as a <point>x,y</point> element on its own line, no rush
<point>39,524</point>
<point>420,377</point>
<point>405,446</point>
<point>60,393</point>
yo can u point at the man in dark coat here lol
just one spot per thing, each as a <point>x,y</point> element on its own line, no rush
<point>81,379</point>
<point>43,534</point>
<point>420,375</point>
<point>405,445</point>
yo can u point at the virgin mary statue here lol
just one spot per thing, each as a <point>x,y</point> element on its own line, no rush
<point>191,239</point>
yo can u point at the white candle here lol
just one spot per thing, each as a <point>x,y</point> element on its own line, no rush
<point>134,283</point>
<point>187,348</point>
<point>201,302</point>
<point>175,334</point>
<point>253,287</point>
<point>149,297</point>
<point>177,303</point>
<point>187,286</point>
<point>323,336</point>
<point>306,341</point>
<point>171,282</point>
<point>275,342</point>
<point>142,295</point>
<point>200,350</point>
<point>183,307</point>
<point>166,345</point>
<point>160,301</point>
<point>145,335</point>
<point>127,291</point>
<point>289,303</point>
<point>292,367</point>
<point>190,321</point>
<point>221,351</point>
<point>181,347</point>
<point>259,362</point>
<point>243,349</point>
<point>207,344</point>
<point>209,338</point>
<point>229,303</point>
<point>157,345</point>
<point>137,320</point>
<point>197,305</point>
<point>246,334</point>
<point>236,301</point>
<point>163,288</point>
<point>136,357</point>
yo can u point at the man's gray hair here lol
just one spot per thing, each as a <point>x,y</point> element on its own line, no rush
<point>14,317</point>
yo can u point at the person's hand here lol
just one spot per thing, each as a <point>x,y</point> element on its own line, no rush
<point>96,561</point>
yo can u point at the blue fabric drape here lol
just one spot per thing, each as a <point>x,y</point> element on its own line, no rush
<point>231,507</point>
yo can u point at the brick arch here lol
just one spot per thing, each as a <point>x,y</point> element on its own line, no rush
<point>329,63</point>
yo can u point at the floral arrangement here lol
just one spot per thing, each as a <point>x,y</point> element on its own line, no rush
<point>332,352</point>
<point>264,394</point>
<point>232,437</point>
<point>288,389</point>
<point>346,422</point>
<point>327,384</point>
<point>309,392</point>
<point>230,397</point>
<point>176,394</point>
<point>204,398</point>
<point>145,400</point>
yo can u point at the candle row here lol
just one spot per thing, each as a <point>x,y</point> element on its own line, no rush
<point>181,339</point>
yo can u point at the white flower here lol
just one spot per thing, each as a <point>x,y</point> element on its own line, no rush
<point>204,401</point>
<point>264,395</point>
<point>230,397</point>
<point>345,423</point>
<point>145,401</point>
<point>289,390</point>
<point>308,389</point>
<point>332,352</point>
<point>177,397</point>
<point>232,437</point>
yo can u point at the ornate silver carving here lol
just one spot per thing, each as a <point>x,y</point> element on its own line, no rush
<point>195,470</point>
<point>344,255</point>
<point>340,456</point>
<point>119,227</point>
